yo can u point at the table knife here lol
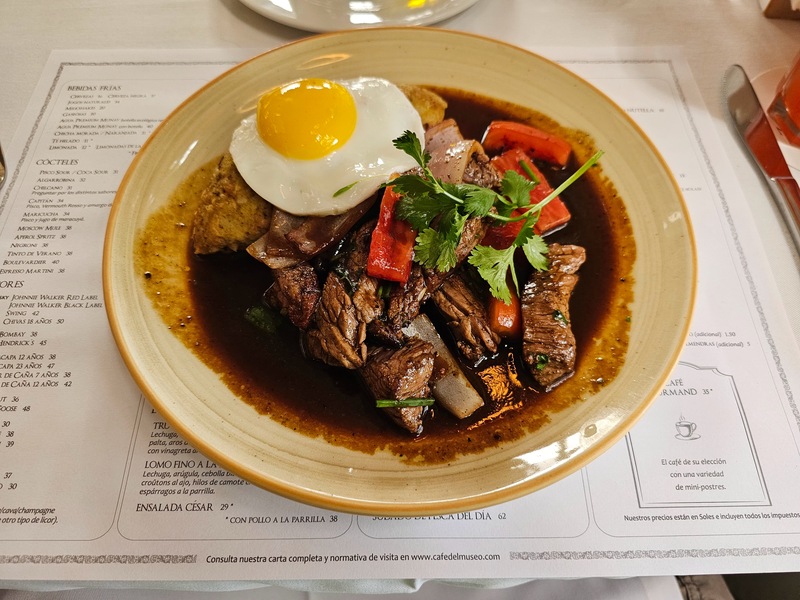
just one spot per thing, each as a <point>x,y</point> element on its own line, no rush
<point>756,133</point>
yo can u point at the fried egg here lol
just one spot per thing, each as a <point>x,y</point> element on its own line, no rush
<point>321,147</point>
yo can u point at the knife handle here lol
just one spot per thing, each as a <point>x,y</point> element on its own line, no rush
<point>787,196</point>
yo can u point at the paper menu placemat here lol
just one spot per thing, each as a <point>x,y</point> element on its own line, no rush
<point>95,485</point>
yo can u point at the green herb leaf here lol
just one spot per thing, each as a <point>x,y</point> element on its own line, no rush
<point>517,188</point>
<point>404,403</point>
<point>342,190</point>
<point>414,185</point>
<point>263,318</point>
<point>535,249</point>
<point>439,210</point>
<point>435,251</point>
<point>493,266</point>
<point>479,201</point>
<point>410,144</point>
<point>421,210</point>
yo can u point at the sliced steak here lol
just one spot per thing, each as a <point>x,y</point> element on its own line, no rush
<point>466,318</point>
<point>337,335</point>
<point>480,170</point>
<point>404,302</point>
<point>351,266</point>
<point>383,306</point>
<point>295,293</point>
<point>409,418</point>
<point>548,344</point>
<point>398,374</point>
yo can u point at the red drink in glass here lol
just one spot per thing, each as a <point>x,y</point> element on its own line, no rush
<point>785,108</point>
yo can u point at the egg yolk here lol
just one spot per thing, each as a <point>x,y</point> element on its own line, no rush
<point>306,119</point>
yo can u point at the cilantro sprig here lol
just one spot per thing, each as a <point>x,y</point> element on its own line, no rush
<point>403,403</point>
<point>439,210</point>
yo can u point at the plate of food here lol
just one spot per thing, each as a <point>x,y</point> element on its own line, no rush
<point>399,272</point>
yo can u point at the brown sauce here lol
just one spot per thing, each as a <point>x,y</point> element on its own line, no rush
<point>204,299</point>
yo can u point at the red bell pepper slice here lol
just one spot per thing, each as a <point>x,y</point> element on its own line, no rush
<point>391,248</point>
<point>503,135</point>
<point>554,214</point>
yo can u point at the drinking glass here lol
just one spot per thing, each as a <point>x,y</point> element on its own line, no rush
<point>785,108</point>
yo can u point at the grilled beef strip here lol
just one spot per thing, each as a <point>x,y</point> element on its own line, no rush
<point>295,293</point>
<point>480,170</point>
<point>466,317</point>
<point>366,291</point>
<point>398,374</point>
<point>337,336</point>
<point>351,265</point>
<point>350,303</point>
<point>404,302</point>
<point>548,344</point>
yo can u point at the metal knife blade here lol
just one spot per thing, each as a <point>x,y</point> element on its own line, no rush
<point>756,133</point>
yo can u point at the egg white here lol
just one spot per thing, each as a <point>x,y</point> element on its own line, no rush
<point>367,160</point>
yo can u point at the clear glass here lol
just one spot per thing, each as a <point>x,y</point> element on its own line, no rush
<point>335,15</point>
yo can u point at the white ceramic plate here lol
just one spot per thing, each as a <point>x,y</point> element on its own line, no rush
<point>191,397</point>
<point>335,15</point>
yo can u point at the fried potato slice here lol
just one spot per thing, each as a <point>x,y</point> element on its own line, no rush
<point>230,215</point>
<point>429,104</point>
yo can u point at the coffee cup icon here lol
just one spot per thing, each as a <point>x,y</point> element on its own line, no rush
<point>686,429</point>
